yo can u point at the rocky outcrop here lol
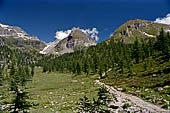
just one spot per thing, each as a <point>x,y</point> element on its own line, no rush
<point>126,33</point>
<point>131,26</point>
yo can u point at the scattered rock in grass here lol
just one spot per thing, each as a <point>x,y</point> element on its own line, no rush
<point>82,82</point>
<point>160,89</point>
<point>50,93</point>
<point>74,81</point>
<point>62,98</point>
<point>137,91</point>
<point>166,86</point>
<point>166,101</point>
<point>120,89</point>
<point>154,75</point>
<point>45,106</point>
<point>146,89</point>
<point>52,103</point>
<point>72,101</point>
<point>73,94</point>
<point>52,109</point>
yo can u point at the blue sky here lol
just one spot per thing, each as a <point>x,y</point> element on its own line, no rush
<point>44,17</point>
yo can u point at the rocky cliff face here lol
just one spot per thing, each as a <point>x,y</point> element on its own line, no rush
<point>76,40</point>
<point>138,28</point>
<point>17,37</point>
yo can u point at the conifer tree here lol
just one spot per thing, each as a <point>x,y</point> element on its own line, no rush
<point>18,79</point>
<point>86,67</point>
<point>78,68</point>
<point>101,71</point>
<point>45,67</point>
<point>1,76</point>
<point>20,102</point>
<point>136,50</point>
<point>32,70</point>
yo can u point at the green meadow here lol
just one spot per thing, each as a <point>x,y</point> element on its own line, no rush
<point>52,92</point>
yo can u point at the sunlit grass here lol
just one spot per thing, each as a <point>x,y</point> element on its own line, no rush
<point>59,92</point>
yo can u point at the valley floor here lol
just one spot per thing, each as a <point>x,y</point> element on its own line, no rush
<point>59,92</point>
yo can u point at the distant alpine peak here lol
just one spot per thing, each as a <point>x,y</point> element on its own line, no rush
<point>92,33</point>
<point>14,31</point>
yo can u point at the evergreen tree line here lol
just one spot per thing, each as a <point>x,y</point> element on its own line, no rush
<point>19,56</point>
<point>108,55</point>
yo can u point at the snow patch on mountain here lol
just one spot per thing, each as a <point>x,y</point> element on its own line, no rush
<point>92,33</point>
<point>49,47</point>
<point>148,35</point>
<point>44,50</point>
<point>165,20</point>
<point>4,26</point>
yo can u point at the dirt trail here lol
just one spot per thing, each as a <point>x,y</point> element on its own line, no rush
<point>122,97</point>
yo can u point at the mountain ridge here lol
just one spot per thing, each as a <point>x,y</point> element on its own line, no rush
<point>144,29</point>
<point>77,38</point>
<point>15,36</point>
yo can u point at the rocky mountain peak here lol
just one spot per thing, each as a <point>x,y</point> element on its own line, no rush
<point>14,31</point>
<point>69,41</point>
<point>78,33</point>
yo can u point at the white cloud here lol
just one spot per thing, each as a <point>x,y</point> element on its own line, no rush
<point>165,20</point>
<point>62,34</point>
<point>93,33</point>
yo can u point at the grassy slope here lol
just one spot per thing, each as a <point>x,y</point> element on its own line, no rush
<point>145,84</point>
<point>59,92</point>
